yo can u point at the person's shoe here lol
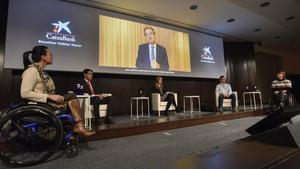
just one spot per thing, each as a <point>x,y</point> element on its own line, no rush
<point>166,113</point>
<point>221,109</point>
<point>178,110</point>
<point>235,109</point>
<point>79,128</point>
<point>108,121</point>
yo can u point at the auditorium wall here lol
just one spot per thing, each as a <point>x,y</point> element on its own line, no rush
<point>240,63</point>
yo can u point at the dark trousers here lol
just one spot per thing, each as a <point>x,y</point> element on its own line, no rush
<point>171,100</point>
<point>96,101</point>
<point>232,97</point>
<point>280,98</point>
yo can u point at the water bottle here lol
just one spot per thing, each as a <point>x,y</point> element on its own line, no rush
<point>78,89</point>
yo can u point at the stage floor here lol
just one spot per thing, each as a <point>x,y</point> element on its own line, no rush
<point>125,126</point>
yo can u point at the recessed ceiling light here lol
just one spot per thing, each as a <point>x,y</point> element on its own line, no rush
<point>230,20</point>
<point>277,37</point>
<point>257,30</point>
<point>194,7</point>
<point>265,4</point>
<point>290,18</point>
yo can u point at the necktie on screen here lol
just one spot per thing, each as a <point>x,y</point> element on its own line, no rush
<point>90,88</point>
<point>152,54</point>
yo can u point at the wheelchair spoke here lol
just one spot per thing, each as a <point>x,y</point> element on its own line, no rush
<point>18,127</point>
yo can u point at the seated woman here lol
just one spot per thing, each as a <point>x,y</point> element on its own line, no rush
<point>281,88</point>
<point>38,86</point>
<point>165,96</point>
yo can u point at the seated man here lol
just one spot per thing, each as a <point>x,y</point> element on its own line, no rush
<point>96,98</point>
<point>280,87</point>
<point>225,91</point>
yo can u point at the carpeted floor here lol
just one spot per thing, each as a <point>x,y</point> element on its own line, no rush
<point>154,150</point>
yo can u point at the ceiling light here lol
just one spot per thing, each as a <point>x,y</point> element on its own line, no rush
<point>265,4</point>
<point>290,18</point>
<point>257,30</point>
<point>194,7</point>
<point>230,20</point>
<point>277,37</point>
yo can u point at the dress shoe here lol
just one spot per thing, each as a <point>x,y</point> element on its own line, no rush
<point>221,109</point>
<point>108,121</point>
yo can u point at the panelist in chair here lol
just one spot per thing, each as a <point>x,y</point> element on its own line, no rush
<point>38,86</point>
<point>97,98</point>
<point>281,88</point>
<point>152,55</point>
<point>165,96</point>
<point>224,90</point>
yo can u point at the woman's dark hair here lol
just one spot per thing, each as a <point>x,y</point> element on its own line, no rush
<point>36,55</point>
<point>222,76</point>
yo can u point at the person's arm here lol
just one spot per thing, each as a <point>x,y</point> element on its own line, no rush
<point>218,89</point>
<point>229,90</point>
<point>140,64</point>
<point>29,81</point>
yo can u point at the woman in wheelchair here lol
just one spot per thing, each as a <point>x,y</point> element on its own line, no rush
<point>31,132</point>
<point>38,86</point>
<point>281,88</point>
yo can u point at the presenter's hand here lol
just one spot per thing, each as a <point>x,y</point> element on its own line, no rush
<point>155,65</point>
<point>56,98</point>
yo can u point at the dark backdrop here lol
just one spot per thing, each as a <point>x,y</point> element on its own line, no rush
<point>240,68</point>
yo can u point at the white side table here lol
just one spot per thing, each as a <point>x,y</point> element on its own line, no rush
<point>191,103</point>
<point>252,98</point>
<point>136,99</point>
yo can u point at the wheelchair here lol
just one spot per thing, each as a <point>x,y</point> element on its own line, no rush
<point>30,133</point>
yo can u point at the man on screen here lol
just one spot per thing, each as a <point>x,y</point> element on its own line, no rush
<point>152,55</point>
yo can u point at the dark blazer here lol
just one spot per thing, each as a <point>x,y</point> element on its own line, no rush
<point>143,59</point>
<point>86,88</point>
<point>156,90</point>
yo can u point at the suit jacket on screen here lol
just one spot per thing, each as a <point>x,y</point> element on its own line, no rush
<point>143,59</point>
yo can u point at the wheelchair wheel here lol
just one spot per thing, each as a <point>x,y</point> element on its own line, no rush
<point>29,135</point>
<point>72,151</point>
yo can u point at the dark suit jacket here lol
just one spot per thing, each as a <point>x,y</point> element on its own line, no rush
<point>143,58</point>
<point>86,88</point>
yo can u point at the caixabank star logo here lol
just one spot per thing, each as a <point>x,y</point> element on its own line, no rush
<point>206,56</point>
<point>61,35</point>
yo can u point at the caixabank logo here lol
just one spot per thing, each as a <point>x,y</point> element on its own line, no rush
<point>60,35</point>
<point>206,56</point>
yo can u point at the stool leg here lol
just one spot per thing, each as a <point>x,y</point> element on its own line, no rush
<point>137,109</point>
<point>142,108</point>
<point>191,104</point>
<point>131,108</point>
<point>148,108</point>
<point>184,105</point>
<point>199,104</point>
